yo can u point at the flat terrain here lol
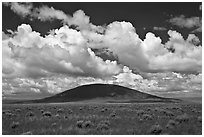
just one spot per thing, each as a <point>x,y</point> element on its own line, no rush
<point>93,118</point>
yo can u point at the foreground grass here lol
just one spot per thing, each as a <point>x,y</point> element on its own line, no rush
<point>116,119</point>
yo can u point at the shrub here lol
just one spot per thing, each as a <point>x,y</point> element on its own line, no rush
<point>113,114</point>
<point>149,109</point>
<point>65,117</point>
<point>7,111</point>
<point>157,109</point>
<point>30,114</point>
<point>9,114</point>
<point>29,108</point>
<point>70,111</point>
<point>182,118</point>
<point>79,123</point>
<point>57,116</point>
<point>15,125</point>
<point>60,110</point>
<point>167,113</point>
<point>103,125</point>
<point>87,124</point>
<point>147,117</point>
<point>155,129</point>
<point>47,114</point>
<point>104,109</point>
<point>171,124</point>
<point>194,110</point>
<point>18,110</point>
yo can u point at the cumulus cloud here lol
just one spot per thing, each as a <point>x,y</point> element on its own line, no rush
<point>149,55</point>
<point>4,36</point>
<point>184,22</point>
<point>122,40</point>
<point>27,54</point>
<point>135,81</point>
<point>193,39</point>
<point>68,51</point>
<point>186,56</point>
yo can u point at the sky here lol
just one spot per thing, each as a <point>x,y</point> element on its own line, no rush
<point>48,48</point>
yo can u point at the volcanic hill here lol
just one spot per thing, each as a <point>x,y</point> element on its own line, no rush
<point>108,93</point>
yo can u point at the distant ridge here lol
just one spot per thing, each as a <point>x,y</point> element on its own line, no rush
<point>103,93</point>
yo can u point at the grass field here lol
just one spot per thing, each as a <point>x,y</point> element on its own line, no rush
<point>114,119</point>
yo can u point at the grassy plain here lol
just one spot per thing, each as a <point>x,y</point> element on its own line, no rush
<point>99,119</point>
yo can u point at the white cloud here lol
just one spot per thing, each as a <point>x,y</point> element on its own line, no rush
<point>159,28</point>
<point>4,36</point>
<point>127,76</point>
<point>195,78</point>
<point>176,84</point>
<point>186,56</point>
<point>192,38</point>
<point>122,39</point>
<point>149,55</point>
<point>184,22</point>
<point>175,35</point>
<point>28,54</point>
<point>152,46</point>
<point>68,52</point>
<point>178,75</point>
<point>45,13</point>
<point>35,90</point>
<point>19,8</point>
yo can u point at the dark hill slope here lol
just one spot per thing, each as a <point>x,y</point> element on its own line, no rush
<point>105,92</point>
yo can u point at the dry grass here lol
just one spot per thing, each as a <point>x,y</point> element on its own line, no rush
<point>100,119</point>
